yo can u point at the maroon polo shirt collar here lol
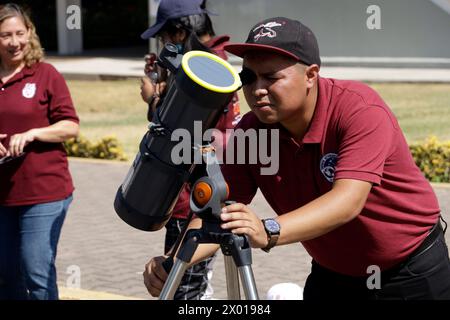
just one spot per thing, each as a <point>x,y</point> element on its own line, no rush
<point>317,126</point>
<point>25,72</point>
<point>29,71</point>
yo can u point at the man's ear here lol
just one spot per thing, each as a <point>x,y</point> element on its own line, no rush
<point>312,74</point>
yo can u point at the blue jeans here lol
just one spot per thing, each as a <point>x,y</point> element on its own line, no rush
<point>28,241</point>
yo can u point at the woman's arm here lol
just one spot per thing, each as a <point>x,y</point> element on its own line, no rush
<point>55,133</point>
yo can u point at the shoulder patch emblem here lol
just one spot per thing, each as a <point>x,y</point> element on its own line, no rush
<point>327,166</point>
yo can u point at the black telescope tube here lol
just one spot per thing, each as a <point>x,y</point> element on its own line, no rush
<point>146,198</point>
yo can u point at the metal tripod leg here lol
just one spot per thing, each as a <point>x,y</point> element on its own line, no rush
<point>248,282</point>
<point>180,266</point>
<point>173,280</point>
<point>237,254</point>
<point>247,278</point>
<point>231,275</point>
<point>237,247</point>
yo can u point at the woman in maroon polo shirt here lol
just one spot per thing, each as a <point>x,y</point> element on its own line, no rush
<point>36,116</point>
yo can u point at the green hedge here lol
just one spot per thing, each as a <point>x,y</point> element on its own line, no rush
<point>431,155</point>
<point>107,148</point>
<point>433,159</point>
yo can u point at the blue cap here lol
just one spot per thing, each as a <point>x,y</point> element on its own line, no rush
<point>172,9</point>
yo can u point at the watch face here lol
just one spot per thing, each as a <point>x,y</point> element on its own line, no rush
<point>272,225</point>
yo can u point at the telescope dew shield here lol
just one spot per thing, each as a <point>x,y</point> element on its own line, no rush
<point>204,85</point>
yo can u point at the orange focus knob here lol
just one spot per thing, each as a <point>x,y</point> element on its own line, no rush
<point>202,193</point>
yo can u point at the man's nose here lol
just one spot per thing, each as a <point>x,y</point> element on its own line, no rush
<point>260,88</point>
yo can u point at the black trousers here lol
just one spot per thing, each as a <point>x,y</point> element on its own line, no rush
<point>424,275</point>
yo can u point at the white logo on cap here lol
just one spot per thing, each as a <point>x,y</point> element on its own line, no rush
<point>29,90</point>
<point>266,30</point>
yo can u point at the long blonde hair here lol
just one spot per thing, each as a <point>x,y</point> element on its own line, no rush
<point>34,52</point>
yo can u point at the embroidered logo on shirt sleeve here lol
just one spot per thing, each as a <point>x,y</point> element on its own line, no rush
<point>328,165</point>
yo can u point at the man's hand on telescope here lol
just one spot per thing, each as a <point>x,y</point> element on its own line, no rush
<point>155,276</point>
<point>154,84</point>
<point>239,219</point>
<point>150,92</point>
<point>150,62</point>
<point>147,89</point>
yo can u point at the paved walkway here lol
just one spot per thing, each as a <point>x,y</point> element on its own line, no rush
<point>111,255</point>
<point>105,68</point>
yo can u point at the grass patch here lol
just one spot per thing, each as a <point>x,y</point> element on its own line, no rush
<point>116,108</point>
<point>421,109</point>
<point>111,108</point>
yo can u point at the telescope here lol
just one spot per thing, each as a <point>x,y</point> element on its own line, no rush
<point>203,85</point>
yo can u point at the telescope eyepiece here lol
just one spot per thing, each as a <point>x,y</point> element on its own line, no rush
<point>169,57</point>
<point>169,50</point>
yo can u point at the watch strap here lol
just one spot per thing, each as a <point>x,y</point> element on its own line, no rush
<point>271,237</point>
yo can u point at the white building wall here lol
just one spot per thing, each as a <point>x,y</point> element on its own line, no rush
<point>69,26</point>
<point>409,28</point>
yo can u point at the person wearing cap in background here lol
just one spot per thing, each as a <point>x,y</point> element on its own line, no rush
<point>347,186</point>
<point>186,24</point>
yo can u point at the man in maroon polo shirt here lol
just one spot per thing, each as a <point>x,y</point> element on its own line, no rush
<point>347,187</point>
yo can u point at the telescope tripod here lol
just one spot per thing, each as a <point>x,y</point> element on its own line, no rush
<point>237,257</point>
<point>207,196</point>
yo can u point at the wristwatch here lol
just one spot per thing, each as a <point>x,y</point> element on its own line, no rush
<point>273,233</point>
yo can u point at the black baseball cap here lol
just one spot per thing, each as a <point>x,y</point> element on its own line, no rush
<point>172,9</point>
<point>283,36</point>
